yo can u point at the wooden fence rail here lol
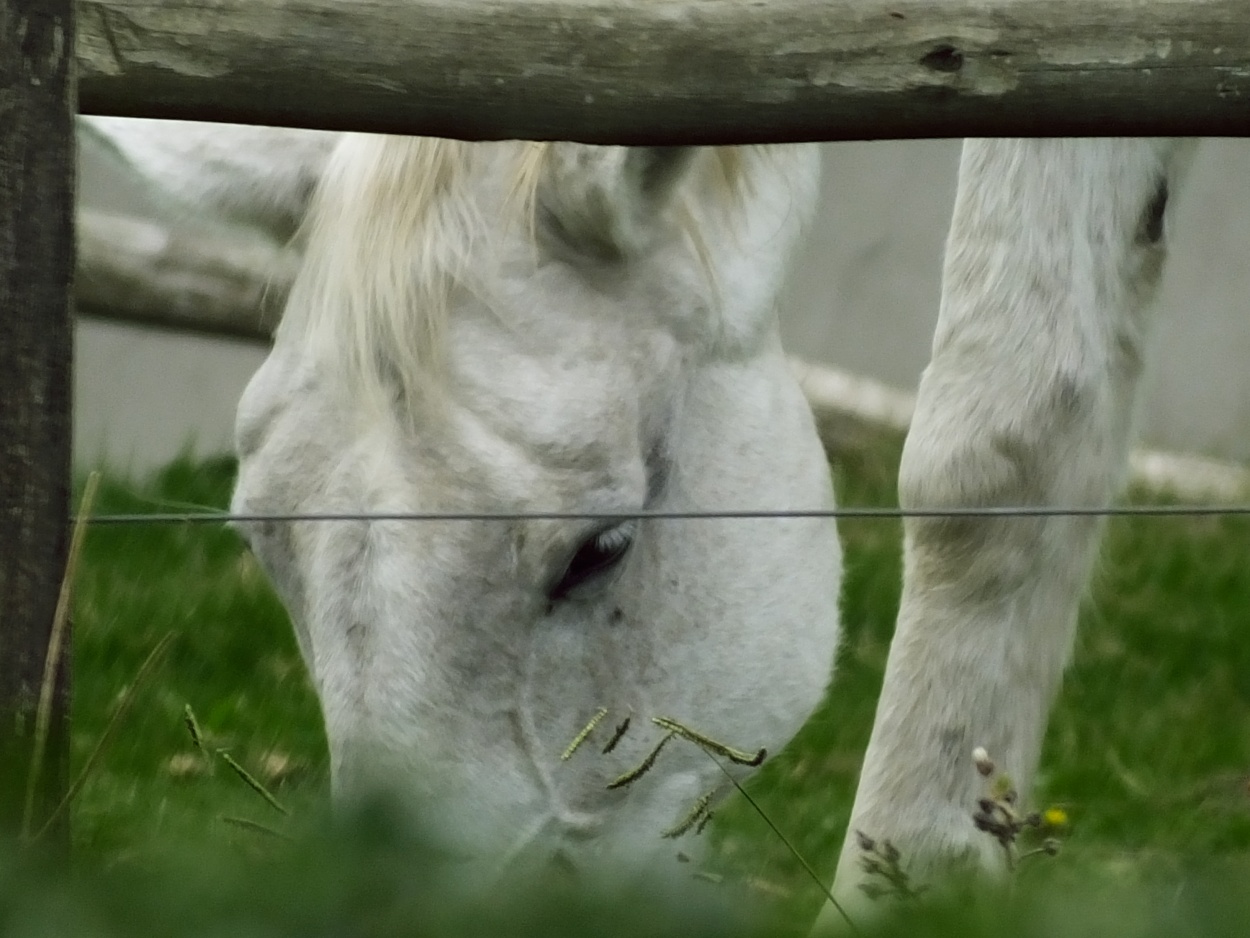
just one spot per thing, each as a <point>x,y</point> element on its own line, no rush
<point>36,267</point>
<point>677,71</point>
<point>205,279</point>
<point>208,280</point>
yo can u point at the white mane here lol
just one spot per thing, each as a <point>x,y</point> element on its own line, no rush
<point>394,229</point>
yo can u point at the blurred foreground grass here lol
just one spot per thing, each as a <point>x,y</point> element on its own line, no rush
<point>1148,750</point>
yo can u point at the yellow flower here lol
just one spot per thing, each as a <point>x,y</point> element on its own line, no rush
<point>1055,817</point>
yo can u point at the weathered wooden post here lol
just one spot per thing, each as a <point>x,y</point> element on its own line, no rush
<point>36,268</point>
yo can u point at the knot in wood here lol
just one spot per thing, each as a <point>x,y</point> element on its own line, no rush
<point>943,58</point>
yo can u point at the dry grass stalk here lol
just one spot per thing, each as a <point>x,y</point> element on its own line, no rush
<point>123,706</point>
<point>52,661</point>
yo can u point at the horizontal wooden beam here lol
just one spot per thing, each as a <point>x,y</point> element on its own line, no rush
<point>853,411</point>
<point>208,280</point>
<point>676,71</point>
<point>227,282</point>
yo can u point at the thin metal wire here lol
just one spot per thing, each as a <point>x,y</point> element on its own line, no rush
<point>848,512</point>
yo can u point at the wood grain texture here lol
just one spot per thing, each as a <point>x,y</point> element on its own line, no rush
<point>36,268</point>
<point>207,280</point>
<point>213,280</point>
<point>677,71</point>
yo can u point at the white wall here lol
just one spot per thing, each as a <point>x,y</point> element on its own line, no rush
<point>142,396</point>
<point>864,297</point>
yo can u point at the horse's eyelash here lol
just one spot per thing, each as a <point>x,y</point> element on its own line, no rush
<point>615,538</point>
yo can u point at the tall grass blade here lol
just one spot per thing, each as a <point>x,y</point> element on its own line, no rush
<point>828,892</point>
<point>252,782</point>
<point>52,660</point>
<point>254,827</point>
<point>141,677</point>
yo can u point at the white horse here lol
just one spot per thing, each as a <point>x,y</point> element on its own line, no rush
<point>439,353</point>
<point>533,328</point>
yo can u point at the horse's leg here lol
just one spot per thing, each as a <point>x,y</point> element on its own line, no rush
<point>1054,250</point>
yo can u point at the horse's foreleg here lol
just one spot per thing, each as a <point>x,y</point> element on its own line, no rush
<point>1054,251</point>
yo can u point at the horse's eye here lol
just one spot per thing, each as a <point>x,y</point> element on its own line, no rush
<point>598,554</point>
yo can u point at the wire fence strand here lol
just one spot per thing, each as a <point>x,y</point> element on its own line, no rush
<point>846,512</point>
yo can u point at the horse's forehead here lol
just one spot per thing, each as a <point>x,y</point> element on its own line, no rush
<point>556,411</point>
<point>570,382</point>
<point>563,421</point>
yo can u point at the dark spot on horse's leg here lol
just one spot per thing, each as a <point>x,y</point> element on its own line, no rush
<point>1151,229</point>
<point>953,745</point>
<point>617,616</point>
<point>1069,400</point>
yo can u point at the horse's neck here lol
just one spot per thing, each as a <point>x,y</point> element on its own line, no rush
<point>261,177</point>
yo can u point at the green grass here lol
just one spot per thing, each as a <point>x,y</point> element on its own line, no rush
<point>233,660</point>
<point>1148,749</point>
